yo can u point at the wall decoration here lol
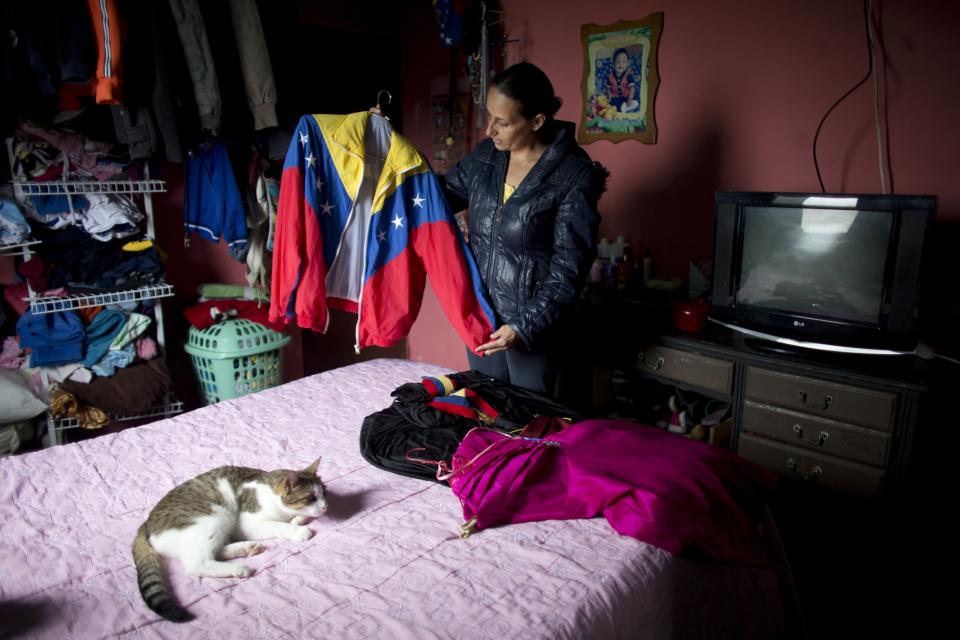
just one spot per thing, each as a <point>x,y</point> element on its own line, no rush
<point>620,80</point>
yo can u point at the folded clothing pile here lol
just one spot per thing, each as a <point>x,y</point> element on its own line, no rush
<point>132,390</point>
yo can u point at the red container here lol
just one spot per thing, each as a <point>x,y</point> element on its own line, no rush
<point>690,315</point>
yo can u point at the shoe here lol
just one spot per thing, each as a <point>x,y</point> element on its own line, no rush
<point>715,412</point>
<point>676,401</point>
<point>675,425</point>
<point>692,414</point>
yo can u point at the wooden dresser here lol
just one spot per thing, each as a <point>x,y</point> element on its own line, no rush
<point>841,423</point>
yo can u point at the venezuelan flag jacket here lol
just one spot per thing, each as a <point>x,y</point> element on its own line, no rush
<point>361,222</point>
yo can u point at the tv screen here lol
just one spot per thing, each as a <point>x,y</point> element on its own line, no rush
<point>820,262</point>
<point>839,272</point>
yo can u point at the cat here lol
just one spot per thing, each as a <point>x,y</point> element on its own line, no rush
<point>218,515</point>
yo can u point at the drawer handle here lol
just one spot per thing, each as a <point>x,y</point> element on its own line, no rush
<point>815,472</point>
<point>822,437</point>
<point>656,364</point>
<point>823,405</point>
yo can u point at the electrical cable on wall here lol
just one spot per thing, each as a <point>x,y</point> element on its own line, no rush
<point>876,97</point>
<point>871,60</point>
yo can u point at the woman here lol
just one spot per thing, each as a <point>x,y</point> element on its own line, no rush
<point>532,197</point>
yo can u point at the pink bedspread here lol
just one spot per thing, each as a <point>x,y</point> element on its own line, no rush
<point>386,561</point>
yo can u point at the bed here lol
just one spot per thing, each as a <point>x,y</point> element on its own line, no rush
<point>385,561</point>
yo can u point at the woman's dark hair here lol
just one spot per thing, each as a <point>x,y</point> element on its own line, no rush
<point>529,85</point>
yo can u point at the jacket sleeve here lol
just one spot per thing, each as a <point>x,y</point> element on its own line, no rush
<point>455,184</point>
<point>298,288</point>
<point>254,63</point>
<point>574,249</point>
<point>451,268</point>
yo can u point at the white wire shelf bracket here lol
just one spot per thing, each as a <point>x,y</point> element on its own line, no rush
<point>16,248</point>
<point>72,302</point>
<point>170,408</point>
<point>79,187</point>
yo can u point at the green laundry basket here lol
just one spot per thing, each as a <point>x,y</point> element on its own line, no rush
<point>236,357</point>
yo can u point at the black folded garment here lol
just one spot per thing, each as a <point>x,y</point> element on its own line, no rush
<point>411,423</point>
<point>83,263</point>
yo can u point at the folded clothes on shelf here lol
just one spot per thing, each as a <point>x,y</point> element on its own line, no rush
<point>13,225</point>
<point>213,291</point>
<point>135,389</point>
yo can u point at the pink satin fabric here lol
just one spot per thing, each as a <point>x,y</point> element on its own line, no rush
<point>686,497</point>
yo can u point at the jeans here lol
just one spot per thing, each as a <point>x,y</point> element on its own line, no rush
<point>534,370</point>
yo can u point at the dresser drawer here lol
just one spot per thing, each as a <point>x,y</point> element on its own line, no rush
<point>823,398</point>
<point>831,473</point>
<point>819,434</point>
<point>690,368</point>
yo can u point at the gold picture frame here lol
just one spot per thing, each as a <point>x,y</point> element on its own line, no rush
<point>620,80</point>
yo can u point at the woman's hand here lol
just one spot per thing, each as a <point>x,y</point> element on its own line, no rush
<point>501,340</point>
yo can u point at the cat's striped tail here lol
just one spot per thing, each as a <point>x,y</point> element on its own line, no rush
<point>152,581</point>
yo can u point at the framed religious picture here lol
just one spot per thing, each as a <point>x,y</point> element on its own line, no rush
<point>620,80</point>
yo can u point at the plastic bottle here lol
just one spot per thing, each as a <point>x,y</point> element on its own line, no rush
<point>616,250</point>
<point>625,270</point>
<point>603,249</point>
<point>612,275</point>
<point>594,281</point>
<point>596,272</point>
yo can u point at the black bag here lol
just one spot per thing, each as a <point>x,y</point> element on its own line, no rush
<point>410,423</point>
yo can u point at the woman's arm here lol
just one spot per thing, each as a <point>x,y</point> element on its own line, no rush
<point>456,184</point>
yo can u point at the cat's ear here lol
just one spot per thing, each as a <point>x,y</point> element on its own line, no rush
<point>312,469</point>
<point>290,481</point>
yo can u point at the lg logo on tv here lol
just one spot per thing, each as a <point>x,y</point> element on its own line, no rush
<point>797,323</point>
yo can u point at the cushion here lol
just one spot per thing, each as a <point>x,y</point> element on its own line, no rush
<point>17,401</point>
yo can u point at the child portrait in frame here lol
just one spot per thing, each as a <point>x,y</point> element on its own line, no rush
<point>620,80</point>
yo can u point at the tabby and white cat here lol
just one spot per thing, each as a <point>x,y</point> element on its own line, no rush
<point>217,516</point>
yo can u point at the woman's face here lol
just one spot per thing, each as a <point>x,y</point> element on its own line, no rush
<point>506,126</point>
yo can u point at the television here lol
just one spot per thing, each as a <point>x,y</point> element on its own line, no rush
<point>835,272</point>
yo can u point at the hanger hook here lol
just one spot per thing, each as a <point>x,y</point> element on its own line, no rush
<point>389,98</point>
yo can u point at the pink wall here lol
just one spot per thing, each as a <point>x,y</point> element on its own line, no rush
<point>743,86</point>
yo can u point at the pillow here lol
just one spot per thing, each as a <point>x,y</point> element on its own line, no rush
<point>17,401</point>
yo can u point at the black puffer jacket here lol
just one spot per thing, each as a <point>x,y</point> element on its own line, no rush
<point>535,250</point>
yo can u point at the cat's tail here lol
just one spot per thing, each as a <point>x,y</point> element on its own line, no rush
<point>153,582</point>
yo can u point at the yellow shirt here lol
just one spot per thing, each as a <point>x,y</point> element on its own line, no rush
<point>508,190</point>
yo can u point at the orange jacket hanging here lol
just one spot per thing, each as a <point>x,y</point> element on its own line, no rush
<point>109,33</point>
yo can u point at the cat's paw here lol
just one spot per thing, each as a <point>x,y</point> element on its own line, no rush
<point>243,571</point>
<point>298,520</point>
<point>302,533</point>
<point>241,550</point>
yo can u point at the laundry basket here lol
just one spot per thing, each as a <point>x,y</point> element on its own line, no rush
<point>236,357</point>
